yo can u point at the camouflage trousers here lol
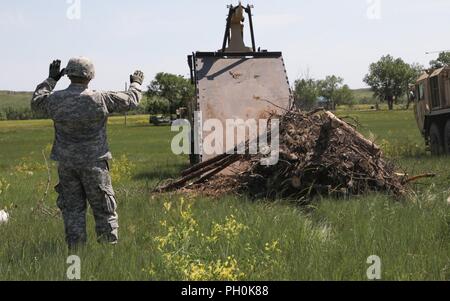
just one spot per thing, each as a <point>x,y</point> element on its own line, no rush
<point>78,186</point>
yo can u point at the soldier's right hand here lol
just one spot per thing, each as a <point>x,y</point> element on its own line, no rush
<point>137,77</point>
<point>55,70</point>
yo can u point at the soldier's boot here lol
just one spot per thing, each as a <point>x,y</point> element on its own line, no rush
<point>72,203</point>
<point>100,193</point>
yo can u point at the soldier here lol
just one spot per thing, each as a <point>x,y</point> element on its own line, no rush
<point>81,149</point>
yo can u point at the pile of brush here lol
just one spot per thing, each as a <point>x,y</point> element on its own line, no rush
<point>319,155</point>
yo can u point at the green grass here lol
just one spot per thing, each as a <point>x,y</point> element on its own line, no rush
<point>165,238</point>
<point>396,131</point>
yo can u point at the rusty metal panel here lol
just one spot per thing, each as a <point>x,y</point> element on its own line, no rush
<point>241,88</point>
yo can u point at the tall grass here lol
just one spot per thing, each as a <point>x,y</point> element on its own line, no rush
<point>177,237</point>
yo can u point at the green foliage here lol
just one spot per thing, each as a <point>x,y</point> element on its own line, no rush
<point>175,88</point>
<point>4,186</point>
<point>306,91</point>
<point>18,113</point>
<point>155,105</point>
<point>364,96</point>
<point>121,169</point>
<point>441,61</point>
<point>167,92</point>
<point>329,87</point>
<point>390,78</point>
<point>16,100</point>
<point>332,88</point>
<point>344,96</point>
<point>16,106</point>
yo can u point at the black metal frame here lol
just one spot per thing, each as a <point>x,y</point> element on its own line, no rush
<point>266,54</point>
<point>191,62</point>
<point>226,38</point>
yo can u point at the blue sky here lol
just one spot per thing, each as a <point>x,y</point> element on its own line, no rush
<point>317,36</point>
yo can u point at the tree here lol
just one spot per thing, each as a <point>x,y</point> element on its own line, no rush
<point>389,79</point>
<point>344,96</point>
<point>306,91</point>
<point>441,61</point>
<point>329,87</point>
<point>176,89</point>
<point>154,105</point>
<point>334,90</point>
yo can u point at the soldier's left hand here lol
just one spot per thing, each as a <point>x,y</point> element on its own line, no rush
<point>55,70</point>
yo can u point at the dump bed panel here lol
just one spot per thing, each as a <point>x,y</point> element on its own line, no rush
<point>241,88</point>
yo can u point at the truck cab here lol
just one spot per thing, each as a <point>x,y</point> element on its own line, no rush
<point>432,109</point>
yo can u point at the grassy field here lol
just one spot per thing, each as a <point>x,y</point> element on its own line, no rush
<point>364,94</point>
<point>18,100</point>
<point>178,237</point>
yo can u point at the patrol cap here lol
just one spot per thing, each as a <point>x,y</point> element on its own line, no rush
<point>80,67</point>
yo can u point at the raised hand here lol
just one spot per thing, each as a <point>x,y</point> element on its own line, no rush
<point>137,77</point>
<point>55,70</point>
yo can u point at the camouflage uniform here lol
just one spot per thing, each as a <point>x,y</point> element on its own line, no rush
<point>81,148</point>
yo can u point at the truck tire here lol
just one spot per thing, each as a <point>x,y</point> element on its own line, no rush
<point>436,143</point>
<point>447,138</point>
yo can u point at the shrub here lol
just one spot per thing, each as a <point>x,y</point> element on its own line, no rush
<point>155,105</point>
<point>121,169</point>
<point>11,113</point>
<point>3,186</point>
<point>195,253</point>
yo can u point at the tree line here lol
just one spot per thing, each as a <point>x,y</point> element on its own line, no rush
<point>389,79</point>
<point>330,91</point>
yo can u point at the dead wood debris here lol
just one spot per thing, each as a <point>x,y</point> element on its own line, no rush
<point>319,155</point>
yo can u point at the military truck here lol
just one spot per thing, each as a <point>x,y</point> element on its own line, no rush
<point>432,109</point>
<point>236,81</point>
